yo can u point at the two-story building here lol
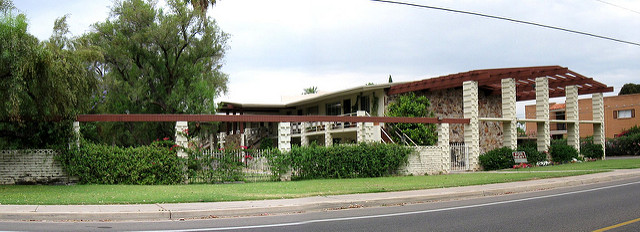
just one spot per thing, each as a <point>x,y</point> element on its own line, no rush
<point>488,100</point>
<point>619,115</point>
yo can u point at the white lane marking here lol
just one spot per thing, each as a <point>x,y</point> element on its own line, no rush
<point>396,214</point>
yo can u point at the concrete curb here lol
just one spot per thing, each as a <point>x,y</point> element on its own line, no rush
<point>267,207</point>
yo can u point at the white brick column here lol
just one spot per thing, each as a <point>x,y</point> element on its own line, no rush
<point>76,132</point>
<point>597,100</point>
<point>509,129</point>
<point>304,140</point>
<point>573,128</point>
<point>221,139</point>
<point>364,132</point>
<point>181,137</point>
<point>542,113</point>
<point>443,143</point>
<point>472,130</point>
<point>328,139</point>
<point>284,136</point>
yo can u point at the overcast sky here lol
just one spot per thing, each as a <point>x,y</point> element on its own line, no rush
<point>280,47</point>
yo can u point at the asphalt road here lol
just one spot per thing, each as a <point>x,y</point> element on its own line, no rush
<point>582,208</point>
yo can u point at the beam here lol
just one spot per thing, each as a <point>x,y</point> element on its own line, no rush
<point>257,118</point>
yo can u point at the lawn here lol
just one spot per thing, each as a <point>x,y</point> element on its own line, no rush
<point>597,165</point>
<point>148,194</point>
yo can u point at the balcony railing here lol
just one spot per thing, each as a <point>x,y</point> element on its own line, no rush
<point>311,127</point>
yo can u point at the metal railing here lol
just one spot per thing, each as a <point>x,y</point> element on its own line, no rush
<point>255,165</point>
<point>459,157</point>
<point>297,127</point>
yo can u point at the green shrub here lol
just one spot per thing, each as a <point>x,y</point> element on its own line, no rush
<point>495,159</point>
<point>588,149</point>
<point>343,161</point>
<point>562,153</point>
<point>533,155</point>
<point>104,164</point>
<point>627,144</point>
<point>223,166</point>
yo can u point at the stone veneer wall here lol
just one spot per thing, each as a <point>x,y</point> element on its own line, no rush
<point>448,104</point>
<point>31,167</point>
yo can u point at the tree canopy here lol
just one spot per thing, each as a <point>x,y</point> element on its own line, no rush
<point>156,61</point>
<point>629,88</point>
<point>310,90</point>
<point>41,83</point>
<point>410,105</point>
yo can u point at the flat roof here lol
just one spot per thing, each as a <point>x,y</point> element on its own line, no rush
<point>488,79</point>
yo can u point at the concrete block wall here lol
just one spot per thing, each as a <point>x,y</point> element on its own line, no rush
<point>509,129</point>
<point>542,113</point>
<point>284,136</point>
<point>181,138</point>
<point>31,167</point>
<point>573,128</point>
<point>426,160</point>
<point>471,131</point>
<point>598,115</point>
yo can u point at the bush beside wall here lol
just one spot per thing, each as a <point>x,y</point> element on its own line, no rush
<point>104,164</point>
<point>343,161</point>
<point>502,158</point>
<point>627,143</point>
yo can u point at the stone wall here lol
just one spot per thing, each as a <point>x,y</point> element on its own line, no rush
<point>31,167</point>
<point>429,160</point>
<point>448,104</point>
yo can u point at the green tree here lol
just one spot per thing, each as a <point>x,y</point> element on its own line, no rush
<point>310,90</point>
<point>629,88</point>
<point>156,61</point>
<point>44,85</point>
<point>201,6</point>
<point>410,105</point>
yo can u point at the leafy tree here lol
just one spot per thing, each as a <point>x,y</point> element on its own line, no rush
<point>629,88</point>
<point>410,105</point>
<point>156,61</point>
<point>201,5</point>
<point>390,79</point>
<point>310,90</point>
<point>43,84</point>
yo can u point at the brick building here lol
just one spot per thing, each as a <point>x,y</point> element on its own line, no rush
<point>619,115</point>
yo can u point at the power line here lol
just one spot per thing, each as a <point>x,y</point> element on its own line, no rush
<point>621,7</point>
<point>508,19</point>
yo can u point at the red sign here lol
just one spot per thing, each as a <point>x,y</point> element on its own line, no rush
<point>519,157</point>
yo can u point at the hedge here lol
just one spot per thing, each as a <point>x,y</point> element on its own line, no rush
<point>104,164</point>
<point>342,161</point>
<point>502,158</point>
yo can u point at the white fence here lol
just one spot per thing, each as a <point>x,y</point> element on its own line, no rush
<point>255,164</point>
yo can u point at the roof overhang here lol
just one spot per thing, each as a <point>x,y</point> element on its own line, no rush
<point>490,79</point>
<point>257,107</point>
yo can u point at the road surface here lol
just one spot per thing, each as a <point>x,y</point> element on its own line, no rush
<point>612,206</point>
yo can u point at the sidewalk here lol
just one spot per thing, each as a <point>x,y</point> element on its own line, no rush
<point>247,208</point>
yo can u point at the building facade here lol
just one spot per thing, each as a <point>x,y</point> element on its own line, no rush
<point>619,115</point>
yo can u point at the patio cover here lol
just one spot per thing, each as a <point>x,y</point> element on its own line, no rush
<point>490,79</point>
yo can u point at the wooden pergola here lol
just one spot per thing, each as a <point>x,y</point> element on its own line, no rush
<point>490,79</point>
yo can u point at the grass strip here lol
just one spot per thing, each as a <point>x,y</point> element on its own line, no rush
<point>609,164</point>
<point>149,194</point>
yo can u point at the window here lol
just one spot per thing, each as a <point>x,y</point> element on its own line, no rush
<point>560,115</point>
<point>334,108</point>
<point>365,103</point>
<point>622,114</point>
<point>312,110</point>
<point>346,106</point>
